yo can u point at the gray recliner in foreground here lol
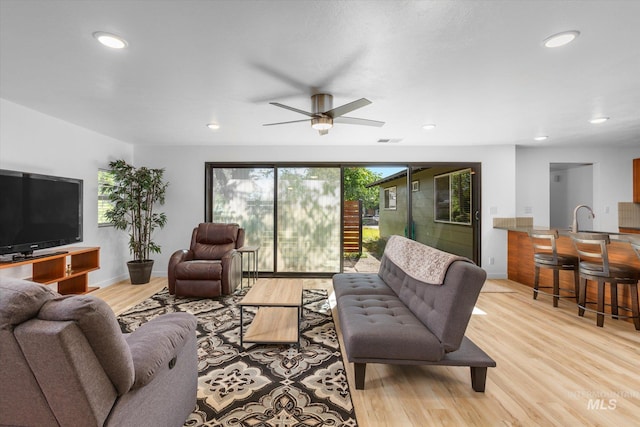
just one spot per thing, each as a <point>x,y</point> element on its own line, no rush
<point>65,362</point>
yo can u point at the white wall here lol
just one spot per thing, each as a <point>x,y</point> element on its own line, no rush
<point>568,189</point>
<point>612,181</point>
<point>34,142</point>
<point>185,173</point>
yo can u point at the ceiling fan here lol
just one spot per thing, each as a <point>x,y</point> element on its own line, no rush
<point>323,115</point>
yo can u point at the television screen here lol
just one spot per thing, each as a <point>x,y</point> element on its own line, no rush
<point>38,211</point>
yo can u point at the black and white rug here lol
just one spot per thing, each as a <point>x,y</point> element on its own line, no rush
<point>263,385</point>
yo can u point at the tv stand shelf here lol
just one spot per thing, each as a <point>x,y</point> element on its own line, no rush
<point>53,269</point>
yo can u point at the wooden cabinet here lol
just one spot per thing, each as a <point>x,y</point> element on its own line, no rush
<point>636,180</point>
<point>69,270</point>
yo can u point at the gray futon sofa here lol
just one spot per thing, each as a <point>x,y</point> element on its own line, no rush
<point>414,311</point>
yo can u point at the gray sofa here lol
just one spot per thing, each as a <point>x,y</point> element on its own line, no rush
<point>65,362</point>
<point>414,311</point>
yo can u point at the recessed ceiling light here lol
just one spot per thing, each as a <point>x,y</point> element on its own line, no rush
<point>540,138</point>
<point>213,126</point>
<point>561,39</point>
<point>428,126</point>
<point>110,40</point>
<point>598,120</point>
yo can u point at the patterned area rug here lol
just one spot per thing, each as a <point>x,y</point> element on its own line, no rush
<point>260,385</point>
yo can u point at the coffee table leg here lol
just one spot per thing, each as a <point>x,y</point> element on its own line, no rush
<point>241,310</point>
<point>299,324</point>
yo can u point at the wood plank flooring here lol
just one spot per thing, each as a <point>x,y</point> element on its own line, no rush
<point>554,368</point>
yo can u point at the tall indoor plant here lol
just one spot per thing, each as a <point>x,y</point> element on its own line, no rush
<point>134,193</point>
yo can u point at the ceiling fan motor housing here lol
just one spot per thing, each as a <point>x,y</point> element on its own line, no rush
<point>321,103</point>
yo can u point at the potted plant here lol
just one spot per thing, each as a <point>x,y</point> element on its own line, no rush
<point>134,192</point>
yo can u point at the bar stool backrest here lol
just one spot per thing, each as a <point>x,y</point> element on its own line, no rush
<point>635,244</point>
<point>544,243</point>
<point>592,252</point>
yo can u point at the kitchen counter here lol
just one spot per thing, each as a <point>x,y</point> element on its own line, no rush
<point>614,236</point>
<point>521,269</point>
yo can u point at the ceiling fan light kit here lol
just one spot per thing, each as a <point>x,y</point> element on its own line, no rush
<point>322,123</point>
<point>323,115</point>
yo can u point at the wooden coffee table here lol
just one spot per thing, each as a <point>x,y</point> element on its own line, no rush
<point>277,320</point>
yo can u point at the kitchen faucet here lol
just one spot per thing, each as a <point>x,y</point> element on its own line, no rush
<point>574,226</point>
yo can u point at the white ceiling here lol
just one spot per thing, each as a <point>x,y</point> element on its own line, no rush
<point>477,69</point>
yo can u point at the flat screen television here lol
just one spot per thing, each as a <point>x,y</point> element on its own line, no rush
<point>38,212</point>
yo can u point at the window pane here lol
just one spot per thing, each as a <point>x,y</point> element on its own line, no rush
<point>439,208</point>
<point>309,220</point>
<point>105,178</point>
<point>442,204</point>
<point>245,196</point>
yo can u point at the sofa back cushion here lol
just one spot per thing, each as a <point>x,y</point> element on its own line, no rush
<point>446,309</point>
<point>21,399</point>
<point>443,308</point>
<point>214,240</point>
<point>100,327</point>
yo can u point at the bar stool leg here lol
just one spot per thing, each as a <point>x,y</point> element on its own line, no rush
<point>634,305</point>
<point>614,299</point>
<point>556,286</point>
<point>582,296</point>
<point>536,282</point>
<point>576,284</point>
<point>600,313</point>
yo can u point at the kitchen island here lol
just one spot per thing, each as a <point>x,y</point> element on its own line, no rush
<point>520,266</point>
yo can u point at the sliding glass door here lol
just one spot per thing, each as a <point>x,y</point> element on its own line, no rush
<point>246,196</point>
<point>308,201</point>
<point>292,213</point>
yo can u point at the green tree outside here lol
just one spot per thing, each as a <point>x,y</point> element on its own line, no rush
<point>355,187</point>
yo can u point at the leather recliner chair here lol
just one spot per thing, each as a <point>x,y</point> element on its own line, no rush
<point>212,266</point>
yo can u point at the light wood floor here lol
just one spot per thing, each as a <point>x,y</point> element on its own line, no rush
<point>554,368</point>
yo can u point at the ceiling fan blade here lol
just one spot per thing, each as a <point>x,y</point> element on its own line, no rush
<point>306,113</point>
<point>347,108</point>
<point>284,123</point>
<point>355,121</point>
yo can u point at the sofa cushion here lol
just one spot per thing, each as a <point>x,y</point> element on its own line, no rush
<point>359,284</point>
<point>155,343</point>
<point>21,300</point>
<point>100,327</point>
<point>382,327</point>
<point>199,270</point>
<point>214,240</point>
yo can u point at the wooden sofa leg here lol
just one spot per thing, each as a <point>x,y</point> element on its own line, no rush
<point>478,378</point>
<point>359,370</point>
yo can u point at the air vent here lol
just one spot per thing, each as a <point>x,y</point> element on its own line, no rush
<point>389,140</point>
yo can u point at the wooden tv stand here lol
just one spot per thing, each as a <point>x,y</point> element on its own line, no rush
<point>53,269</point>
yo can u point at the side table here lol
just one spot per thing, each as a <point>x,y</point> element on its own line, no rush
<point>251,268</point>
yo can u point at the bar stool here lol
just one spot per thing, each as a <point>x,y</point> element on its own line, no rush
<point>595,266</point>
<point>545,255</point>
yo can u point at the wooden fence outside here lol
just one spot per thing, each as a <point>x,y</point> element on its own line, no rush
<point>352,228</point>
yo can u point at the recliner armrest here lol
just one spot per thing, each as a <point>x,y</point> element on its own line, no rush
<point>156,343</point>
<point>177,257</point>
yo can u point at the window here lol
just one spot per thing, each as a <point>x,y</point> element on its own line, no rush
<point>453,197</point>
<point>390,198</point>
<point>105,178</point>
